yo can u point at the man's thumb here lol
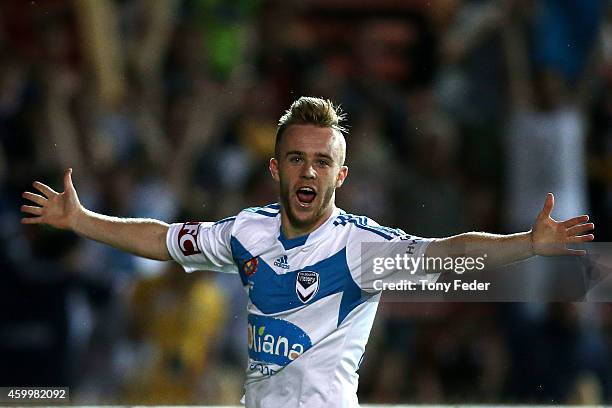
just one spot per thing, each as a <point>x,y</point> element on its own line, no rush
<point>68,180</point>
<point>549,203</point>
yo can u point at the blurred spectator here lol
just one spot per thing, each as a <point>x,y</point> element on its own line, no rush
<point>176,321</point>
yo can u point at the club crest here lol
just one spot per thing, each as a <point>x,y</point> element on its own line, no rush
<point>306,285</point>
<point>250,267</point>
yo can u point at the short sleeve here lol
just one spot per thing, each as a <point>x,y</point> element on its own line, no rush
<point>202,245</point>
<point>388,257</point>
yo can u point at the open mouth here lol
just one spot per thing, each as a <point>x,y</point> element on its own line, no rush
<point>306,195</point>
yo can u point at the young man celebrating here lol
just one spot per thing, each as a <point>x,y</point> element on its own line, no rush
<point>311,303</point>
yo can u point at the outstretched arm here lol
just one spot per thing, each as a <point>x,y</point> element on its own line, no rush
<point>548,237</point>
<point>139,236</point>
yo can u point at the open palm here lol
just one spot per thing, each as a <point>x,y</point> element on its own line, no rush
<point>60,210</point>
<point>551,237</point>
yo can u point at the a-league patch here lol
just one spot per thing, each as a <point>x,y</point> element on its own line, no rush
<point>307,285</point>
<point>250,266</point>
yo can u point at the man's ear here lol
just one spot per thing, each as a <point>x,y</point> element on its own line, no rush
<point>341,176</point>
<point>274,169</point>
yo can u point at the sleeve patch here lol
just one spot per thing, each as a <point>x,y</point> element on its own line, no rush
<point>188,238</point>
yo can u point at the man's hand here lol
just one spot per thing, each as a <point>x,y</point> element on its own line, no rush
<point>60,210</point>
<point>550,237</point>
<point>139,236</point>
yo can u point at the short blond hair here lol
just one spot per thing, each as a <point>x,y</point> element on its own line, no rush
<point>308,110</point>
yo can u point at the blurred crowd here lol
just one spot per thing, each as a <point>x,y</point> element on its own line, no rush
<point>462,114</point>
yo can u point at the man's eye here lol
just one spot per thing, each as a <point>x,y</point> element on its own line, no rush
<point>323,163</point>
<point>295,159</point>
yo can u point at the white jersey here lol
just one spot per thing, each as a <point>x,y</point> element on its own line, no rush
<point>310,310</point>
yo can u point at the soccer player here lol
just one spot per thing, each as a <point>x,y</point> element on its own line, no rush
<point>311,305</point>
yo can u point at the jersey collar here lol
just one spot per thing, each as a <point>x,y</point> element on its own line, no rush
<point>308,239</point>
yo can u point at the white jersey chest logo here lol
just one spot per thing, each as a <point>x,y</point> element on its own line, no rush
<point>307,285</point>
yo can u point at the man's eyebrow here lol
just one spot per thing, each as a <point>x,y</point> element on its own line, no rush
<point>325,156</point>
<point>318,154</point>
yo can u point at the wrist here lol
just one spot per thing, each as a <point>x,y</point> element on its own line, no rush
<point>77,222</point>
<point>531,249</point>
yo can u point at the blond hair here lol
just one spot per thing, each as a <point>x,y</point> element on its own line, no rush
<point>308,110</point>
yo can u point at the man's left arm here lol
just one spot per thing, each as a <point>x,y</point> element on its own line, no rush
<point>548,237</point>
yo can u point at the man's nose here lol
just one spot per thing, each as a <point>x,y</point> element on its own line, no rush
<point>308,172</point>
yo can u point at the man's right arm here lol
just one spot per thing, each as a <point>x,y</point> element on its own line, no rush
<point>139,236</point>
<point>142,237</point>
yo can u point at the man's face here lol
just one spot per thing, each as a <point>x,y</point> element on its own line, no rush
<point>309,169</point>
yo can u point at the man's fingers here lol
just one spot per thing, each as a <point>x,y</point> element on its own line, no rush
<point>575,221</point>
<point>549,203</point>
<point>31,220</point>
<point>45,189</point>
<point>581,238</point>
<point>575,252</point>
<point>38,199</point>
<point>30,209</point>
<point>579,229</point>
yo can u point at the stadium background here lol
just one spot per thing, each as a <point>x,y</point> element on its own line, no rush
<point>167,109</point>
